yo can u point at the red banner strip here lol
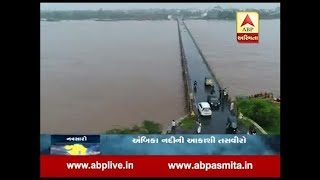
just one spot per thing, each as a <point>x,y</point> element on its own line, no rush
<point>159,166</point>
<point>248,37</point>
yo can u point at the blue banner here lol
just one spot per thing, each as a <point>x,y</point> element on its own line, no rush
<point>75,138</point>
<point>181,144</point>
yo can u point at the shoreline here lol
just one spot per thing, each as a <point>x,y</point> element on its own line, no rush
<point>112,20</point>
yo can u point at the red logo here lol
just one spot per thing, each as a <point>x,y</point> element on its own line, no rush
<point>247,20</point>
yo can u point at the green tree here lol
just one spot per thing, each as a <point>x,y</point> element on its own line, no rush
<point>262,111</point>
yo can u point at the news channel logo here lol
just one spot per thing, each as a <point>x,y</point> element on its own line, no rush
<point>248,27</point>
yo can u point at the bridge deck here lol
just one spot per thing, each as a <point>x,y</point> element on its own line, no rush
<point>198,70</point>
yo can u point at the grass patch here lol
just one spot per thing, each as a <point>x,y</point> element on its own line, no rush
<point>188,122</point>
<point>273,130</point>
<point>147,127</point>
<point>262,110</point>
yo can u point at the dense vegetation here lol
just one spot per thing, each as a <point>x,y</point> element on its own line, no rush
<point>230,14</point>
<point>263,111</point>
<point>147,127</point>
<point>153,14</point>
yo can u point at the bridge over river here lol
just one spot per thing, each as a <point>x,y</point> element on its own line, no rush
<point>197,69</point>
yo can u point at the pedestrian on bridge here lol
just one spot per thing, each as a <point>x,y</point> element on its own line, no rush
<point>199,128</point>
<point>221,94</point>
<point>173,127</point>
<point>232,106</point>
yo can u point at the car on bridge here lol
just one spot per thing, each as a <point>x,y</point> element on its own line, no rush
<point>204,109</point>
<point>208,81</point>
<point>213,100</point>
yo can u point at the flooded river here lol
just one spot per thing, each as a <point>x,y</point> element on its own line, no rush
<point>97,76</point>
<point>244,68</point>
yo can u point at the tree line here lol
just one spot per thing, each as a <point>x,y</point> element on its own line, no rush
<point>154,14</point>
<point>230,14</point>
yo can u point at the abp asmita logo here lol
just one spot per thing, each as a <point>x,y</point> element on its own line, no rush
<point>247,27</point>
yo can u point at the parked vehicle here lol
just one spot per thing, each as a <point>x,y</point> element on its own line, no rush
<point>204,109</point>
<point>208,81</point>
<point>213,100</point>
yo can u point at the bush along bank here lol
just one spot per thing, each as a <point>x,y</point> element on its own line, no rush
<point>184,125</point>
<point>260,109</point>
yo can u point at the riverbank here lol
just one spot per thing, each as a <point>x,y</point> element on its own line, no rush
<point>154,14</point>
<point>259,112</point>
<point>184,124</point>
<point>147,127</point>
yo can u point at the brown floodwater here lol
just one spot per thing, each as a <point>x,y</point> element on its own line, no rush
<point>97,76</point>
<point>244,68</point>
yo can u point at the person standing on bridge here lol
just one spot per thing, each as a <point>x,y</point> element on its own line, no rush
<point>232,106</point>
<point>173,127</point>
<point>199,128</point>
<point>195,86</point>
<point>221,94</point>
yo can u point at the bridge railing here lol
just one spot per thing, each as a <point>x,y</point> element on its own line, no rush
<point>185,74</point>
<point>203,57</point>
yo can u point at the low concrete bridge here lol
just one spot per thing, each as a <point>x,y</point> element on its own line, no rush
<point>196,69</point>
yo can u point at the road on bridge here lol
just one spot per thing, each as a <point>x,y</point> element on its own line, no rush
<point>197,70</point>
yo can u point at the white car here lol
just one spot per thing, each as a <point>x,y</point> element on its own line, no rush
<point>204,109</point>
